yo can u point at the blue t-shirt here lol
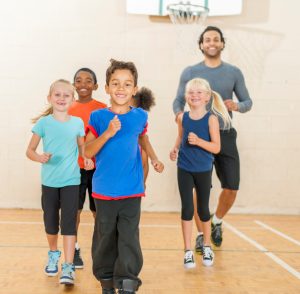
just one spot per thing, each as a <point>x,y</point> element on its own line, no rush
<point>193,158</point>
<point>119,170</point>
<point>60,139</point>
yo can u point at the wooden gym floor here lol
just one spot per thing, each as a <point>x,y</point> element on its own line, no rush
<point>260,254</point>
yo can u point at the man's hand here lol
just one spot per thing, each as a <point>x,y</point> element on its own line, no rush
<point>231,105</point>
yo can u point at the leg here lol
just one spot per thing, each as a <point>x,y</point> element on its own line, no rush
<point>104,245</point>
<point>90,191</point>
<point>226,200</point>
<point>50,206</point>
<point>227,166</point>
<point>130,259</point>
<point>199,239</point>
<point>185,185</point>
<point>69,209</point>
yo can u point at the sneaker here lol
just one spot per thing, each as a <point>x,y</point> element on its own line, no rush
<point>208,256</point>
<point>51,268</point>
<point>78,262</point>
<point>189,259</point>
<point>216,234</point>
<point>67,274</point>
<point>108,291</point>
<point>199,244</point>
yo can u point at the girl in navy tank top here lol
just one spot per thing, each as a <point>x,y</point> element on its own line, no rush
<point>198,139</point>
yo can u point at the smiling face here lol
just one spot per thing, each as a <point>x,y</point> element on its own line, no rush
<point>85,85</point>
<point>121,88</point>
<point>197,96</point>
<point>212,44</point>
<point>61,96</point>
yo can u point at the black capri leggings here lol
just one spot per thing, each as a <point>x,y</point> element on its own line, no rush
<point>201,181</point>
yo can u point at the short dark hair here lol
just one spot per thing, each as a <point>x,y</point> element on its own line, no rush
<point>86,70</point>
<point>144,99</point>
<point>211,28</point>
<point>115,65</point>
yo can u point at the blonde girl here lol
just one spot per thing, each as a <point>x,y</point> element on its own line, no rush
<point>198,139</point>
<point>63,138</point>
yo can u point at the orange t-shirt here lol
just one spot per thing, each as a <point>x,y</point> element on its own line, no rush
<point>84,110</point>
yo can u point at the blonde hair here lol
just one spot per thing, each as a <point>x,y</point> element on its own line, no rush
<point>49,109</point>
<point>217,106</point>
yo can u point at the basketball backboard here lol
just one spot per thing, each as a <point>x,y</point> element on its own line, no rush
<point>159,7</point>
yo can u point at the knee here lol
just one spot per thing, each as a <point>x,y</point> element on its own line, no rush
<point>187,214</point>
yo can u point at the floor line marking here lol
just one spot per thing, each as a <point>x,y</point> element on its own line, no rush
<point>279,261</point>
<point>277,232</point>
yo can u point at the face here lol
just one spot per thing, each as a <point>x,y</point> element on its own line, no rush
<point>61,97</point>
<point>121,87</point>
<point>196,96</point>
<point>212,44</point>
<point>85,85</point>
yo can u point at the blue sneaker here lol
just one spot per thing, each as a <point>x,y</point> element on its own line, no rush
<point>51,268</point>
<point>67,274</point>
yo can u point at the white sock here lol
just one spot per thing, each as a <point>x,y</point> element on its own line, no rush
<point>215,220</point>
<point>199,233</point>
<point>77,246</point>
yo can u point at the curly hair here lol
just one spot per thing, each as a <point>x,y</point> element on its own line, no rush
<point>144,99</point>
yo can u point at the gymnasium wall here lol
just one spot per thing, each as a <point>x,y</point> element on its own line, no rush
<point>42,41</point>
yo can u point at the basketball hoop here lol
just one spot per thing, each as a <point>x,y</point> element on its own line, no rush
<point>187,13</point>
<point>188,20</point>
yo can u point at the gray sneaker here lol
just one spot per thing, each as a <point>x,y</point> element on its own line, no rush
<point>199,244</point>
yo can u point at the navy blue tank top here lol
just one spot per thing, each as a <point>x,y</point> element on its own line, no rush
<point>193,158</point>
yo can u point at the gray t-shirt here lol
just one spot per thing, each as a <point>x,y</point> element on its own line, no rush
<point>225,79</point>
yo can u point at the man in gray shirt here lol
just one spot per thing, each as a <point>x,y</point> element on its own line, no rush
<point>227,80</point>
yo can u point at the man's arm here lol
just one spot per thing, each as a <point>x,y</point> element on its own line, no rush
<point>179,101</point>
<point>242,94</point>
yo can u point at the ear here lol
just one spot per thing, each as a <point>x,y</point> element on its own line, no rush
<point>201,46</point>
<point>106,89</point>
<point>95,87</point>
<point>136,88</point>
<point>48,98</point>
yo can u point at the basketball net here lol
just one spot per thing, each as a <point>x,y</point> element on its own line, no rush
<point>188,20</point>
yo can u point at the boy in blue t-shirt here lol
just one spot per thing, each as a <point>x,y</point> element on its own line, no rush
<point>114,137</point>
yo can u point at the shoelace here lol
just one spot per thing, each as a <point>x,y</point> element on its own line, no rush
<point>207,253</point>
<point>67,268</point>
<point>53,259</point>
<point>77,252</point>
<point>188,256</point>
<point>218,231</point>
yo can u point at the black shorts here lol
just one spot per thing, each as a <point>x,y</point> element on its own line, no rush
<point>227,162</point>
<point>64,199</point>
<point>86,185</point>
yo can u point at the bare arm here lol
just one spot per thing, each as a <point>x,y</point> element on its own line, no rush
<point>88,163</point>
<point>31,150</point>
<point>93,145</point>
<point>214,145</point>
<point>175,150</point>
<point>146,145</point>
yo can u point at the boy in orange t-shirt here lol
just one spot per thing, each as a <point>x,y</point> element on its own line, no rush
<point>85,82</point>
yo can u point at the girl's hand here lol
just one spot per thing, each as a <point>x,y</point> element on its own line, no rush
<point>174,154</point>
<point>114,126</point>
<point>158,165</point>
<point>45,157</point>
<point>193,138</point>
<point>88,163</point>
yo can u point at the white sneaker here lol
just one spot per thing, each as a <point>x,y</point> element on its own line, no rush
<point>188,261</point>
<point>208,256</point>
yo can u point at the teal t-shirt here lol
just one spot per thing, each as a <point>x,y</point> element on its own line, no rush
<point>60,139</point>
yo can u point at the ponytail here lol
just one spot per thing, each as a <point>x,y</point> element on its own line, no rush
<point>47,111</point>
<point>219,109</point>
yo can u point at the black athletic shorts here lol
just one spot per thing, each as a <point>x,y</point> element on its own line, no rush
<point>227,162</point>
<point>65,200</point>
<point>86,185</point>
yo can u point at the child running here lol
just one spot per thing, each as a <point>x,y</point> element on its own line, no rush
<point>85,82</point>
<point>114,137</point>
<point>62,136</point>
<point>198,138</point>
<point>144,99</point>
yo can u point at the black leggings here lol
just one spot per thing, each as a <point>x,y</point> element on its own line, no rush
<point>201,181</point>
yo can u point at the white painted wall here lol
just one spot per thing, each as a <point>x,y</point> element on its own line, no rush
<point>42,41</point>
